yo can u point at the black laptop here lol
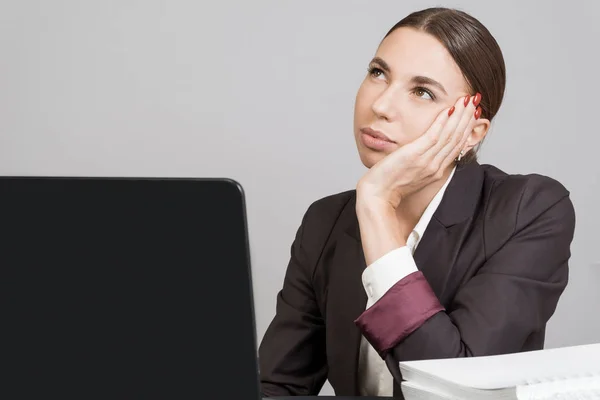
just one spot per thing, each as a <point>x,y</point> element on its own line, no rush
<point>125,288</point>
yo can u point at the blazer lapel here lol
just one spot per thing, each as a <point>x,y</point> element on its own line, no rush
<point>438,250</point>
<point>346,300</point>
<point>436,254</point>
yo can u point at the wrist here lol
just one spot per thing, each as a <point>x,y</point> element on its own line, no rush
<point>380,229</point>
<point>373,207</point>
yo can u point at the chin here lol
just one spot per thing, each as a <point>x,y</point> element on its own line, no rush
<point>369,157</point>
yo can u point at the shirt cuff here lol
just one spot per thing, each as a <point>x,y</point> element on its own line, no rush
<point>385,272</point>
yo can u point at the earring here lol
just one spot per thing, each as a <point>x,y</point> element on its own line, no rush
<point>460,155</point>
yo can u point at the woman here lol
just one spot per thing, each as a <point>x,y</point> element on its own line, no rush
<point>433,255</point>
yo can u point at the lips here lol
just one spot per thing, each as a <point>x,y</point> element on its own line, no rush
<point>376,134</point>
<point>376,141</point>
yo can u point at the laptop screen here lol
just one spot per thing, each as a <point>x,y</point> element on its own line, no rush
<point>125,289</point>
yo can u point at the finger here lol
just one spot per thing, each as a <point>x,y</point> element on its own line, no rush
<point>453,154</point>
<point>468,116</point>
<point>447,140</point>
<point>457,136</point>
<point>430,138</point>
<point>469,106</point>
<point>463,106</point>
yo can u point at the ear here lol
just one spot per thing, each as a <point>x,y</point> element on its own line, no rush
<point>480,129</point>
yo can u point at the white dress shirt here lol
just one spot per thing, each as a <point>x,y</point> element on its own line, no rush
<point>379,277</point>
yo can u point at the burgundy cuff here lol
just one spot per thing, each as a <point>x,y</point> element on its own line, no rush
<point>402,310</point>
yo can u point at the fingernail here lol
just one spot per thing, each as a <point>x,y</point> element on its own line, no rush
<point>478,113</point>
<point>451,111</point>
<point>467,100</point>
<point>476,99</point>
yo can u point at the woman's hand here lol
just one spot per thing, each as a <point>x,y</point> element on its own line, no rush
<point>422,161</point>
<point>406,170</point>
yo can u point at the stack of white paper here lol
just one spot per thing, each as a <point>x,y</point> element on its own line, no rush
<point>562,373</point>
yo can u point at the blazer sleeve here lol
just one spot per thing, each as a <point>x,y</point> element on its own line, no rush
<point>292,354</point>
<point>512,295</point>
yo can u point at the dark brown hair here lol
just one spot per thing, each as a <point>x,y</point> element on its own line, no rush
<point>474,50</point>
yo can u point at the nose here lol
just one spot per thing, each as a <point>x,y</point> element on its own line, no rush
<point>385,105</point>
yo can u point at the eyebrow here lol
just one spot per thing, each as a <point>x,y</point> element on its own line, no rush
<point>382,64</point>
<point>415,80</point>
<point>424,80</point>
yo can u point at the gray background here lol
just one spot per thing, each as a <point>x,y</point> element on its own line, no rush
<point>263,92</point>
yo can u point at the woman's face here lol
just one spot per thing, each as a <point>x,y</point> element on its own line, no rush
<point>411,79</point>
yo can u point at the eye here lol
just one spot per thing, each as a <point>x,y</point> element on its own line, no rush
<point>423,93</point>
<point>376,72</point>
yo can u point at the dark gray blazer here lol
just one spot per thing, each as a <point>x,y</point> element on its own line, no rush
<point>495,255</point>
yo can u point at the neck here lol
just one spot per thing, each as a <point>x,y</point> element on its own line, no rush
<point>412,207</point>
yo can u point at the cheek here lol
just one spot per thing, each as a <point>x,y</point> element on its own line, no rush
<point>418,121</point>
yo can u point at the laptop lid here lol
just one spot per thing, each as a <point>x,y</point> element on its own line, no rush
<point>125,288</point>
